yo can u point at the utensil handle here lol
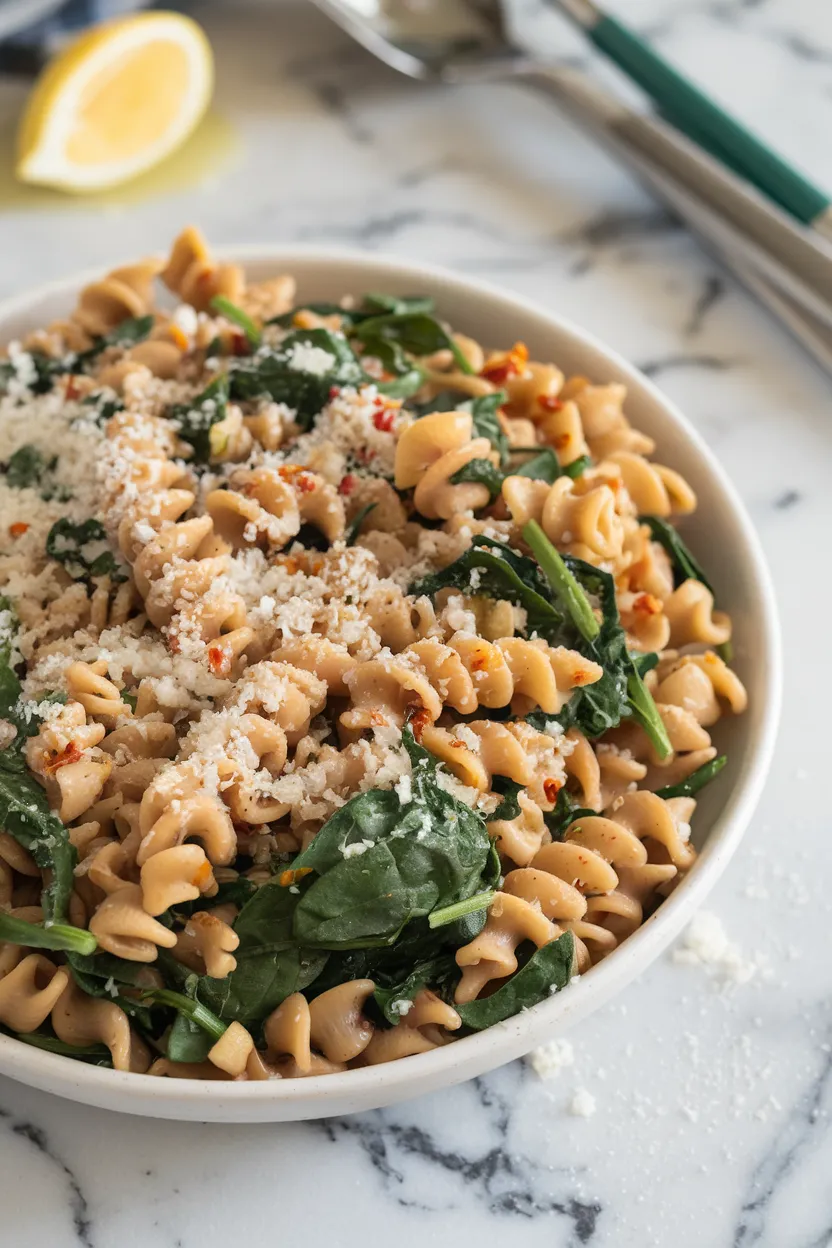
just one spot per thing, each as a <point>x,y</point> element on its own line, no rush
<point>705,122</point>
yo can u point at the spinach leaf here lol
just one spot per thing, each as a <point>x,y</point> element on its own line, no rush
<point>620,692</point>
<point>286,320</point>
<point>238,892</point>
<point>59,936</point>
<point>482,472</point>
<point>685,566</point>
<point>485,412</point>
<point>105,407</point>
<point>392,1000</point>
<point>542,466</point>
<point>271,965</point>
<point>508,790</point>
<point>493,569</point>
<point>279,373</point>
<point>407,376</point>
<point>564,815</point>
<point>354,527</point>
<point>78,548</point>
<point>578,467</point>
<point>126,334</point>
<point>25,815</point>
<point>547,970</point>
<point>413,857</point>
<point>45,367</point>
<point>644,663</point>
<point>416,332</point>
<point>193,420</point>
<point>695,781</point>
<point>374,304</point>
<point>25,468</point>
<point>115,979</point>
<point>94,1054</point>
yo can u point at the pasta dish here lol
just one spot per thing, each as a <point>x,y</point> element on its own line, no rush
<point>356,686</point>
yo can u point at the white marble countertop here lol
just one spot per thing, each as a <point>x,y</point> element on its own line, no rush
<point>713,1097</point>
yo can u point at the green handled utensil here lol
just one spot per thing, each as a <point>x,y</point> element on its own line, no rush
<point>700,118</point>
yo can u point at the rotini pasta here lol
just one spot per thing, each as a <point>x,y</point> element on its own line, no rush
<point>347,692</point>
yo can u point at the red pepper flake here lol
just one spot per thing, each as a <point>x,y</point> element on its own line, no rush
<point>18,528</point>
<point>383,421</point>
<point>348,484</point>
<point>551,788</point>
<point>173,643</point>
<point>363,455</point>
<point>71,390</point>
<point>582,677</point>
<point>298,477</point>
<point>508,364</point>
<point>239,343</point>
<point>647,604</point>
<point>562,441</point>
<point>219,660</point>
<point>334,391</point>
<point>419,718</point>
<point>70,754</point>
<point>549,402</point>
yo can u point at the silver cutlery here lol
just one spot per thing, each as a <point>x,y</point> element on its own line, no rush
<point>787,265</point>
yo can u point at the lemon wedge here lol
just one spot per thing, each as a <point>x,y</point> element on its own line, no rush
<point>115,102</point>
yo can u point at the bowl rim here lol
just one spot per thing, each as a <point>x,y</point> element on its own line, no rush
<point>373,1086</point>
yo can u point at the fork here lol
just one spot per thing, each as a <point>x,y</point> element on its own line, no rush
<point>786,265</point>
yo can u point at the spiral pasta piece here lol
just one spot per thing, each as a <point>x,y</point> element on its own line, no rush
<point>463,674</point>
<point>432,450</point>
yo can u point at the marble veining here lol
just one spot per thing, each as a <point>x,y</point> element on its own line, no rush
<point>712,1091</point>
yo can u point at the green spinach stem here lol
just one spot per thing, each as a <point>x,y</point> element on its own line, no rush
<point>449,914</point>
<point>232,313</point>
<point>562,581</point>
<point>58,936</point>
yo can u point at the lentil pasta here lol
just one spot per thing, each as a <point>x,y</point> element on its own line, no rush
<point>356,685</point>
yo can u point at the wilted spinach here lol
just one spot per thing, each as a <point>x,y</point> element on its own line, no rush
<point>549,969</point>
<point>416,332</point>
<point>481,472</point>
<point>93,1054</point>
<point>354,527</point>
<point>278,373</point>
<point>193,420</point>
<point>27,467</point>
<point>24,810</point>
<point>392,999</point>
<point>493,569</point>
<point>685,566</point>
<point>68,542</point>
<point>695,781</point>
<point>413,856</point>
<point>621,692</point>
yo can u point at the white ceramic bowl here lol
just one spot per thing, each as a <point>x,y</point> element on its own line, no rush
<point>720,532</point>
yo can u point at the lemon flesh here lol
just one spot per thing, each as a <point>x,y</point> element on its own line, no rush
<point>116,102</point>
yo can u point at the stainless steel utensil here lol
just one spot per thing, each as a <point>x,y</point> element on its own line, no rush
<point>785,264</point>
